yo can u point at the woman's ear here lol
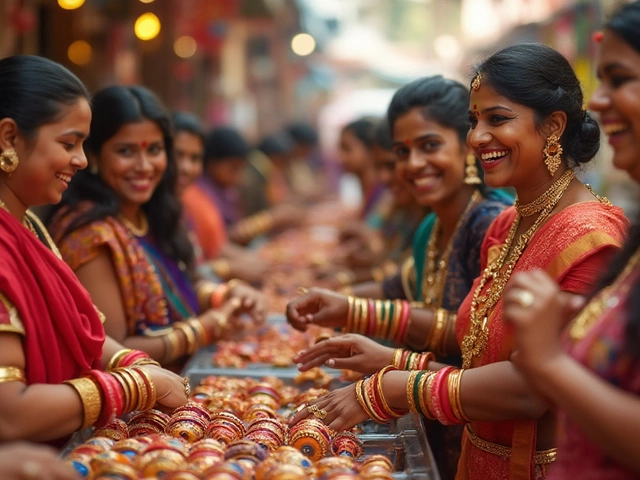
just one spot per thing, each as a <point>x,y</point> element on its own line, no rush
<point>556,124</point>
<point>8,133</point>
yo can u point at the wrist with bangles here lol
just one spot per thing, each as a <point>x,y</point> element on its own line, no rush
<point>385,319</point>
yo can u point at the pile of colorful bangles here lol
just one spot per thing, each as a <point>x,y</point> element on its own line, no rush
<point>234,428</point>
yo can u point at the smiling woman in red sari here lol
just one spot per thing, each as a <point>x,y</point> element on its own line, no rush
<point>52,343</point>
<point>529,131</point>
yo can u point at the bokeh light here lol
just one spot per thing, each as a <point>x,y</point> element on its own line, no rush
<point>70,4</point>
<point>303,44</point>
<point>147,26</point>
<point>80,52</point>
<point>185,47</point>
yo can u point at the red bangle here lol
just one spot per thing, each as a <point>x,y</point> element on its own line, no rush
<point>218,295</point>
<point>441,406</point>
<point>405,311</point>
<point>131,357</point>
<point>371,320</point>
<point>112,396</point>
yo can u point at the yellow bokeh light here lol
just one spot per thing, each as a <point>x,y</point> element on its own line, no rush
<point>70,4</point>
<point>185,47</point>
<point>147,26</point>
<point>146,1</point>
<point>303,44</point>
<point>80,52</point>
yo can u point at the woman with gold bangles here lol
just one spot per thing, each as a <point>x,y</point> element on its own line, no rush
<point>53,350</point>
<point>591,371</point>
<point>529,129</point>
<point>118,227</point>
<point>429,123</point>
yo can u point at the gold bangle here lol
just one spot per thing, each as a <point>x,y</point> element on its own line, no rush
<point>379,324</point>
<point>456,397</point>
<point>117,357</point>
<point>360,397</point>
<point>221,268</point>
<point>365,317</point>
<point>349,324</point>
<point>395,360</point>
<point>424,392</point>
<point>91,399</point>
<point>152,395</point>
<point>172,346</point>
<point>438,329</point>
<point>12,374</point>
<point>202,336</point>
<point>192,342</point>
<point>204,294</point>
<point>132,385</point>
<point>410,385</point>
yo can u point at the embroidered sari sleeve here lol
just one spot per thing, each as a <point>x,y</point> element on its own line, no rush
<point>84,244</point>
<point>9,317</point>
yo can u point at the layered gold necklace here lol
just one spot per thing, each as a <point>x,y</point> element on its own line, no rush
<point>434,277</point>
<point>25,220</point>
<point>475,342</point>
<point>606,298</point>
<point>140,231</point>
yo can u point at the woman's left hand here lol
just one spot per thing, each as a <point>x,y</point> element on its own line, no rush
<point>171,391</point>
<point>537,308</point>
<point>253,302</point>
<point>342,407</point>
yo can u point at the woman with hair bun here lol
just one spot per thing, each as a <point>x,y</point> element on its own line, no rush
<point>529,130</point>
<point>592,371</point>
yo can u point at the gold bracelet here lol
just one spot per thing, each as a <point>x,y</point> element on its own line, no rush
<point>192,342</point>
<point>438,329</point>
<point>349,323</point>
<point>172,346</point>
<point>12,374</point>
<point>424,392</point>
<point>117,357</point>
<point>202,336</point>
<point>128,404</point>
<point>410,386</point>
<point>91,399</point>
<point>126,375</point>
<point>152,395</point>
<point>221,268</point>
<point>204,294</point>
<point>379,324</point>
<point>456,400</point>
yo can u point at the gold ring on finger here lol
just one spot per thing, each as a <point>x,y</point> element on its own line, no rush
<point>525,298</point>
<point>313,409</point>
<point>320,414</point>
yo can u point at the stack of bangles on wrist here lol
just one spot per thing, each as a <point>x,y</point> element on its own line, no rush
<point>213,295</point>
<point>255,225</point>
<point>195,336</point>
<point>108,395</point>
<point>408,360</point>
<point>371,398</point>
<point>436,395</point>
<point>386,319</point>
<point>444,326</point>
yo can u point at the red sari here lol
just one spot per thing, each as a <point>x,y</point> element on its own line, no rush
<point>572,246</point>
<point>61,328</point>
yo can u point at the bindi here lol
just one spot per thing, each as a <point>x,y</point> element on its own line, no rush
<point>144,144</point>
<point>475,110</point>
<point>407,142</point>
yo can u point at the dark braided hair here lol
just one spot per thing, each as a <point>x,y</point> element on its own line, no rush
<point>626,24</point>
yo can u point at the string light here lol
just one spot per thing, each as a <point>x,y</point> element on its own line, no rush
<point>70,4</point>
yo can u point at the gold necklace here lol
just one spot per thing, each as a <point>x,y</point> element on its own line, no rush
<point>140,231</point>
<point>606,298</point>
<point>476,340</point>
<point>434,277</point>
<point>25,220</point>
<point>543,200</point>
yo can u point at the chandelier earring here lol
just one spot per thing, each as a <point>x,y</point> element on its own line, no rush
<point>552,154</point>
<point>471,176</point>
<point>9,161</point>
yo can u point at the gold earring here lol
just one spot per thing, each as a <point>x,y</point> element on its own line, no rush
<point>552,154</point>
<point>471,171</point>
<point>9,161</point>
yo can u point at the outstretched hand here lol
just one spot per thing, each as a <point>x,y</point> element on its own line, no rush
<point>318,307</point>
<point>350,352</point>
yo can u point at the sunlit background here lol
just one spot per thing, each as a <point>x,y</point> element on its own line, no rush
<point>260,63</point>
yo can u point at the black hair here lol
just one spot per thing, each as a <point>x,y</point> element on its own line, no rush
<point>113,108</point>
<point>541,79</point>
<point>303,133</point>
<point>224,143</point>
<point>626,24</point>
<point>382,135</point>
<point>34,90</point>
<point>276,144</point>
<point>440,99</point>
<point>187,122</point>
<point>362,129</point>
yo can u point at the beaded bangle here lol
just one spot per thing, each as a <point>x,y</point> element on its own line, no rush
<point>90,397</point>
<point>413,376</point>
